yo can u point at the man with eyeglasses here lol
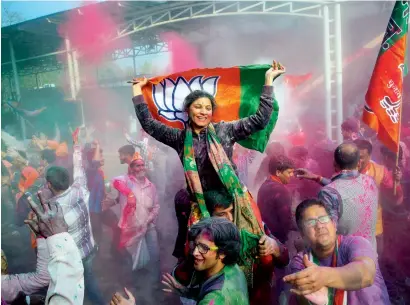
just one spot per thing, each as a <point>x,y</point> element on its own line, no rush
<point>214,245</point>
<point>334,269</point>
<point>272,252</point>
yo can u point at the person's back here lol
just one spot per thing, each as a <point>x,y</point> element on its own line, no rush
<point>227,287</point>
<point>352,197</point>
<point>358,213</point>
<point>74,202</point>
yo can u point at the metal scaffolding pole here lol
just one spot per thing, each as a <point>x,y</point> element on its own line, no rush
<point>17,86</point>
<point>339,69</point>
<point>133,61</point>
<point>328,72</point>
<point>78,83</point>
<point>71,78</point>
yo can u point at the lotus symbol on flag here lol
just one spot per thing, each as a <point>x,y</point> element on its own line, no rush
<point>169,95</point>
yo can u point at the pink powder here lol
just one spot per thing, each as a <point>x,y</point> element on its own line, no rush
<point>91,29</point>
<point>183,55</point>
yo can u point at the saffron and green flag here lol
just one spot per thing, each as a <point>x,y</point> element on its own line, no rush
<point>237,91</point>
<point>382,111</point>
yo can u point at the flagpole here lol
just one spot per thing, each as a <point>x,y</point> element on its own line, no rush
<point>398,153</point>
<point>398,139</point>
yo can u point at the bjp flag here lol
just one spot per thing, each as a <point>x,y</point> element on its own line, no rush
<point>382,111</point>
<point>236,90</point>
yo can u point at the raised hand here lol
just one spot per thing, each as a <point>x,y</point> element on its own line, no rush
<point>397,174</point>
<point>49,219</point>
<point>274,72</point>
<point>75,135</point>
<point>137,84</point>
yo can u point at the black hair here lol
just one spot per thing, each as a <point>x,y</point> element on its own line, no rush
<point>279,163</point>
<point>196,94</point>
<point>127,150</point>
<point>347,156</point>
<point>223,233</point>
<point>364,144</point>
<point>218,198</point>
<point>58,177</point>
<point>49,155</point>
<point>304,205</point>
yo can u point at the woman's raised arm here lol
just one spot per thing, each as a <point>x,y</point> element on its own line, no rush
<point>159,131</point>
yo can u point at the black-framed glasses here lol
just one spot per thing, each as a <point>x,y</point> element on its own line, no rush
<point>313,222</point>
<point>202,248</point>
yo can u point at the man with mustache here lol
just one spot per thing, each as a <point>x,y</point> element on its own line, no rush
<point>334,268</point>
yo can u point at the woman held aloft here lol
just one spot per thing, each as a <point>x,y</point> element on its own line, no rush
<point>206,149</point>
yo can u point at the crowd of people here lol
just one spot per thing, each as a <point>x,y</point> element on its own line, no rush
<point>320,224</point>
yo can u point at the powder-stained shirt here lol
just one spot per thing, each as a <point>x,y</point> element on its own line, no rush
<point>352,199</point>
<point>352,247</point>
<point>66,271</point>
<point>74,202</point>
<point>228,133</point>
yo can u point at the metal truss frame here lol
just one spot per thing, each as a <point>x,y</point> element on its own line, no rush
<point>34,69</point>
<point>328,11</point>
<point>140,50</point>
<point>189,11</point>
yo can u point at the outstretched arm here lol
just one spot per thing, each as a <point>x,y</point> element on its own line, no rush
<point>28,283</point>
<point>245,127</point>
<point>80,178</point>
<point>159,131</point>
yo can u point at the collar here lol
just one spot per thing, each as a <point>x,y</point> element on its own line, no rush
<point>346,174</point>
<point>62,194</point>
<point>214,283</point>
<point>276,179</point>
<point>144,184</point>
<point>366,169</point>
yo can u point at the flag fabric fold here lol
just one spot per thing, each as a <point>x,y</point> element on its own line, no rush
<point>236,90</point>
<point>382,111</point>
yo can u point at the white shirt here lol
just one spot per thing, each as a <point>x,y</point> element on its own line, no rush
<point>66,271</point>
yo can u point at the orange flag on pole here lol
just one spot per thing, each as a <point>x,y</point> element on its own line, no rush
<point>382,111</point>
